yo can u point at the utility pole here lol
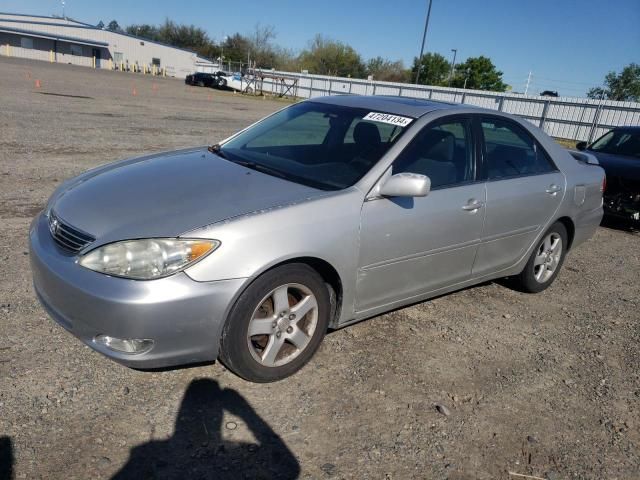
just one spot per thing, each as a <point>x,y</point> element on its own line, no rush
<point>466,77</point>
<point>63,2</point>
<point>526,88</point>
<point>424,37</point>
<point>453,64</point>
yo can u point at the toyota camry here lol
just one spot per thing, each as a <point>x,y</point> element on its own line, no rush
<point>325,213</point>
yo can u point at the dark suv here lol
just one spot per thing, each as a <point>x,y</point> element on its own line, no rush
<point>201,79</point>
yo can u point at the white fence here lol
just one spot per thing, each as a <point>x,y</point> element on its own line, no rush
<point>561,117</point>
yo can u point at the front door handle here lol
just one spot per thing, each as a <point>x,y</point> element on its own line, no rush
<point>473,206</point>
<point>553,189</point>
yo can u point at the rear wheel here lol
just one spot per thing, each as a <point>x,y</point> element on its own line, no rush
<point>277,324</point>
<point>545,261</point>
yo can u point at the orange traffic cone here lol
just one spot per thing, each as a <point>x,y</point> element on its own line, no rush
<point>38,84</point>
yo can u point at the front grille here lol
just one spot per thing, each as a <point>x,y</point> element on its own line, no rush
<point>67,237</point>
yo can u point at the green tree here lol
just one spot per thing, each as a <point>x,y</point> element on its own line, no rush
<point>143,30</point>
<point>478,73</point>
<point>387,70</point>
<point>100,24</point>
<point>434,69</point>
<point>236,47</point>
<point>331,57</point>
<point>623,86</point>
<point>185,36</point>
<point>114,26</point>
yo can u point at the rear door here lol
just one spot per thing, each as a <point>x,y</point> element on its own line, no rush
<point>524,190</point>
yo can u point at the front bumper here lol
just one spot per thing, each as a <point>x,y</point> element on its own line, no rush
<point>184,318</point>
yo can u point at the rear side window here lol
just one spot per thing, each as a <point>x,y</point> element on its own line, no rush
<point>442,152</point>
<point>511,151</point>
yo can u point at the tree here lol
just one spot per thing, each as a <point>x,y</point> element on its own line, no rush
<point>331,57</point>
<point>113,26</point>
<point>478,73</point>
<point>236,47</point>
<point>100,24</point>
<point>434,69</point>
<point>623,86</point>
<point>386,70</point>
<point>262,50</point>
<point>143,30</point>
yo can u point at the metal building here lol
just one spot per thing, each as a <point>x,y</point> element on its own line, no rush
<point>63,40</point>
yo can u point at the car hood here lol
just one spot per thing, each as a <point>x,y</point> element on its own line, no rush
<point>618,165</point>
<point>168,194</point>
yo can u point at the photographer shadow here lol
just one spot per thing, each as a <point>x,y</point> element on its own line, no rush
<point>197,450</point>
<point>6,458</point>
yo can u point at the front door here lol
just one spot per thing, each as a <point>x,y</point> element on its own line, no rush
<point>411,246</point>
<point>524,189</point>
<point>96,55</point>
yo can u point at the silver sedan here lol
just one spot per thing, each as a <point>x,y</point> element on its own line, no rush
<point>323,214</point>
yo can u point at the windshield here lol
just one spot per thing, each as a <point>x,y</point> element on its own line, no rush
<point>324,146</point>
<point>619,142</point>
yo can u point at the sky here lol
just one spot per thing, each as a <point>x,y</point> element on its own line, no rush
<point>567,45</point>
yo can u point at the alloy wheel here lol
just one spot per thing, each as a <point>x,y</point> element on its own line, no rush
<point>282,325</point>
<point>548,257</point>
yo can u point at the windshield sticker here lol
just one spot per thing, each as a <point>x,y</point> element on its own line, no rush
<point>388,118</point>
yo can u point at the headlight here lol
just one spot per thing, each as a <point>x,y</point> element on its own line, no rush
<point>148,258</point>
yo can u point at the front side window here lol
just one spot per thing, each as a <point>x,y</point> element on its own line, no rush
<point>442,152</point>
<point>618,142</point>
<point>511,152</point>
<point>329,147</point>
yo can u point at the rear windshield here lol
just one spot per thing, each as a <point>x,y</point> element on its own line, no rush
<point>324,146</point>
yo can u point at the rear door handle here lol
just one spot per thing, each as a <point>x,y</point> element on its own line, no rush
<point>473,206</point>
<point>553,189</point>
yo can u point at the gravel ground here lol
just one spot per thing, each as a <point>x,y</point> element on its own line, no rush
<point>471,385</point>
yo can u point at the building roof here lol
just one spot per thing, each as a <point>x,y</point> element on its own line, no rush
<point>78,24</point>
<point>410,107</point>
<point>52,36</point>
<point>52,17</point>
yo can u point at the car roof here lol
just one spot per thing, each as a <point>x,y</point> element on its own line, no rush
<point>410,107</point>
<point>630,128</point>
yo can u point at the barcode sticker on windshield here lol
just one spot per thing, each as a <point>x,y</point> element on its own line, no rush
<point>388,118</point>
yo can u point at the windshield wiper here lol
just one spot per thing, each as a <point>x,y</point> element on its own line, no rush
<point>261,168</point>
<point>216,149</point>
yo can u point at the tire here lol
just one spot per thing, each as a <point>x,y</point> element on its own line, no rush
<point>222,83</point>
<point>287,327</point>
<point>545,261</point>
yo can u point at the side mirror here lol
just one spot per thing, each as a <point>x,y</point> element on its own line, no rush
<point>581,145</point>
<point>406,185</point>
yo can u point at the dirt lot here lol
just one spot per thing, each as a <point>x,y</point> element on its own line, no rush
<point>545,385</point>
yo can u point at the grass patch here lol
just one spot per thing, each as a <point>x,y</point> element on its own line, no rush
<point>567,143</point>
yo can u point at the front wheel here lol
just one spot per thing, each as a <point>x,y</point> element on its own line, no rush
<point>545,261</point>
<point>277,324</point>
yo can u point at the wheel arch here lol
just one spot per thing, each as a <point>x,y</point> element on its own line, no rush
<point>571,230</point>
<point>328,273</point>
